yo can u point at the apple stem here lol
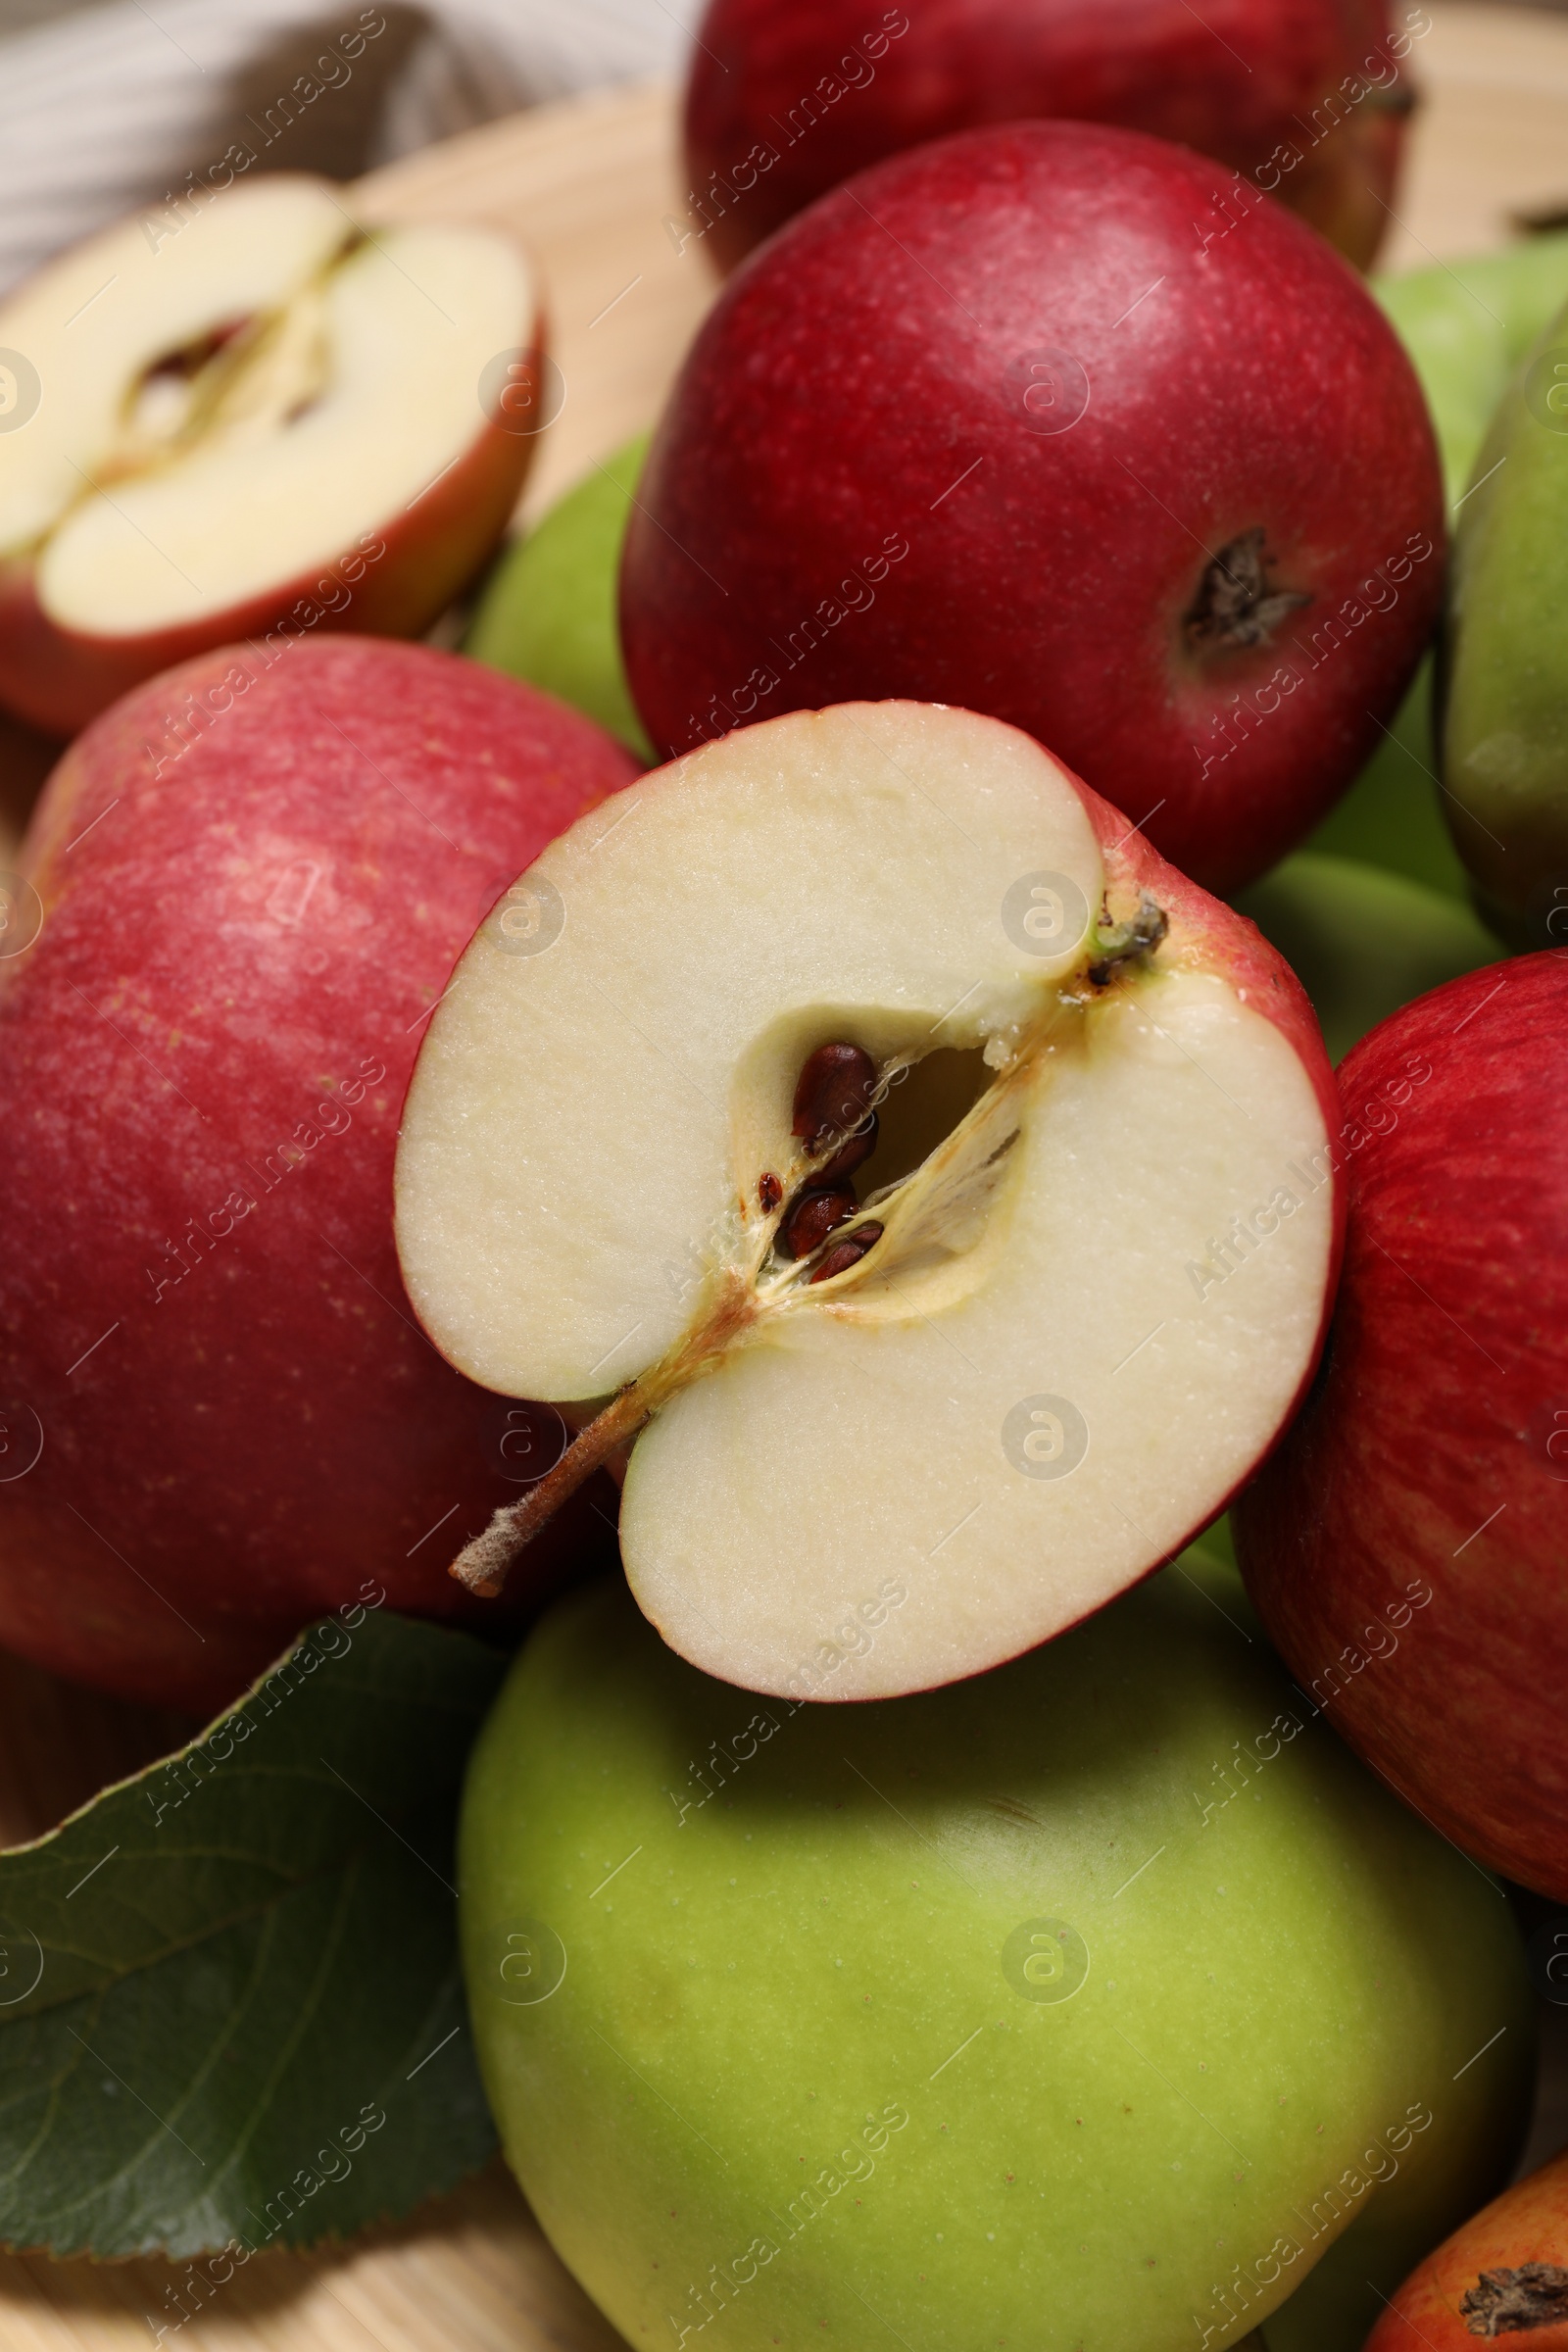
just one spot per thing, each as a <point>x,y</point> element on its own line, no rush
<point>482,1565</point>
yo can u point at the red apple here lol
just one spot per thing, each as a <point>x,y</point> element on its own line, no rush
<point>251,416</point>
<point>1405,1545</point>
<point>989,426</point>
<point>785,101</point>
<point>1503,2274</point>
<point>219,1414</point>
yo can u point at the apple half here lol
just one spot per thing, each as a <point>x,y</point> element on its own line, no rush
<point>1071,1117</point>
<point>268,412</point>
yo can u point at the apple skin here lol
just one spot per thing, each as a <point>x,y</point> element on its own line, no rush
<point>1432,1455</point>
<point>58,679</point>
<point>241,951</point>
<point>1468,324</point>
<point>784,1927</point>
<point>1527,2224</point>
<point>824,88</point>
<point>856,392</point>
<point>1392,817</point>
<point>1502,684</point>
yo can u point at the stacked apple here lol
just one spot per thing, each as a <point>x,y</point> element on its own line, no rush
<point>989,425</point>
<point>219,1416</point>
<point>1308,103</point>
<point>1405,1546</point>
<point>1104,1998</point>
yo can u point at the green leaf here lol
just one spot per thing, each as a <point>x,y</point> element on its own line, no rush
<point>230,2007</point>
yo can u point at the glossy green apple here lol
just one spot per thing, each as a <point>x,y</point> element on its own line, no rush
<point>1468,324</point>
<point>548,612</point>
<point>1392,817</point>
<point>1504,706</point>
<point>1094,2001</point>
<point>1466,327</point>
<point>1362,942</point>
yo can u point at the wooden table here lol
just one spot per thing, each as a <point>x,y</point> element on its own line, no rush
<point>589,183</point>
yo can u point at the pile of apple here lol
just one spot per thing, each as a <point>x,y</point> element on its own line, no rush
<point>881,1140</point>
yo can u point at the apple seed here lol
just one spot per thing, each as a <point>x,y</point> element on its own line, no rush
<point>833,1094</point>
<point>848,1157</point>
<point>848,1252</point>
<point>812,1215</point>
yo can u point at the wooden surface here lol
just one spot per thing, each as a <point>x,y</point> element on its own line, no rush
<point>589,185</point>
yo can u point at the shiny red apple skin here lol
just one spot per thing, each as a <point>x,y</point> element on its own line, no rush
<point>1525,2229</point>
<point>848,436</point>
<point>786,100</point>
<point>1407,1545</point>
<point>392,582</point>
<point>237,955</point>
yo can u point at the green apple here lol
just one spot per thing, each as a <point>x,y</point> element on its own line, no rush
<point>548,612</point>
<point>1102,2001</point>
<point>1362,942</point>
<point>1392,817</point>
<point>1466,325</point>
<point>1504,709</point>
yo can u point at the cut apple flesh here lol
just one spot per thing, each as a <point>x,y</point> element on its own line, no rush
<point>1047,1370</point>
<point>227,405</point>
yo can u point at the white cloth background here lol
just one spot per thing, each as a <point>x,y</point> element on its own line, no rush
<point>106,107</point>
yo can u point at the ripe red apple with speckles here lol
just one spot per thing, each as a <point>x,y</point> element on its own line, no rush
<point>992,425</point>
<point>1406,1547</point>
<point>1308,100</point>
<point>220,1415</point>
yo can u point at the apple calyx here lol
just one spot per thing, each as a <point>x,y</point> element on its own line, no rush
<point>1121,943</point>
<point>1502,2302</point>
<point>813,1233</point>
<point>1235,606</point>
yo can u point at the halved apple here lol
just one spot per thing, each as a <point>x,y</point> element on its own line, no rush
<point>267,410</point>
<point>899,1412</point>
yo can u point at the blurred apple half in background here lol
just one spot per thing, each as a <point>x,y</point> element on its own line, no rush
<point>259,413</point>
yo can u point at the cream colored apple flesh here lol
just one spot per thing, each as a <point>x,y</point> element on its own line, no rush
<point>1092,1301</point>
<point>223,408</point>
